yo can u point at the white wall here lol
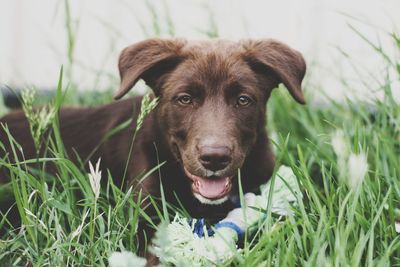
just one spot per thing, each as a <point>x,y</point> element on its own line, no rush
<point>34,39</point>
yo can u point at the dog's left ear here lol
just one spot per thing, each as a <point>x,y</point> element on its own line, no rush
<point>147,60</point>
<point>287,64</point>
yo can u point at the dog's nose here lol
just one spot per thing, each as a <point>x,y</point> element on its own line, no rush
<point>215,158</point>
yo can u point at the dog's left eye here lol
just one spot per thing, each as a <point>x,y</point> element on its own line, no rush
<point>243,101</point>
<point>185,99</point>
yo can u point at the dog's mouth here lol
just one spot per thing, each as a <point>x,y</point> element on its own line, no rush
<point>210,189</point>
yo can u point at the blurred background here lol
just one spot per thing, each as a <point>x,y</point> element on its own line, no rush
<point>340,39</point>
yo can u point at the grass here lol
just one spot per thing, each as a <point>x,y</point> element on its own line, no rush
<point>335,224</point>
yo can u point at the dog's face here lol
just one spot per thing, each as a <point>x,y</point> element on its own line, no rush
<point>212,100</point>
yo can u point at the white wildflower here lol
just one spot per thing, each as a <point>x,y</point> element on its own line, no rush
<point>94,178</point>
<point>397,221</point>
<point>357,167</point>
<point>126,259</point>
<point>39,119</point>
<point>339,144</point>
<point>146,107</point>
<point>352,167</point>
<point>341,149</point>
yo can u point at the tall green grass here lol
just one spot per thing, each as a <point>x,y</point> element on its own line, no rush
<point>64,221</point>
<point>65,224</point>
<point>333,225</point>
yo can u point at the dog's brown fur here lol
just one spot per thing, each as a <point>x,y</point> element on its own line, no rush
<point>215,74</point>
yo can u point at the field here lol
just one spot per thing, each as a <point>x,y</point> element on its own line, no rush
<point>345,155</point>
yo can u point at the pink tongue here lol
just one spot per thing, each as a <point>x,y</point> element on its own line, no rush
<point>210,188</point>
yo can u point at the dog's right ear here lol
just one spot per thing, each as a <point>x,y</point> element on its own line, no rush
<point>287,64</point>
<point>147,60</point>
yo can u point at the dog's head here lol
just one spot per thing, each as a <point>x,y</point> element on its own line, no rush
<point>212,100</point>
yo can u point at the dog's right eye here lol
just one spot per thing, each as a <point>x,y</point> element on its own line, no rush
<point>185,99</point>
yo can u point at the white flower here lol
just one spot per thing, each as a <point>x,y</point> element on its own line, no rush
<point>94,178</point>
<point>341,149</point>
<point>339,144</point>
<point>397,227</point>
<point>357,167</point>
<point>126,259</point>
<point>397,221</point>
<point>352,167</point>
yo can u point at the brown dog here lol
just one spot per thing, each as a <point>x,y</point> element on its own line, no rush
<point>209,123</point>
